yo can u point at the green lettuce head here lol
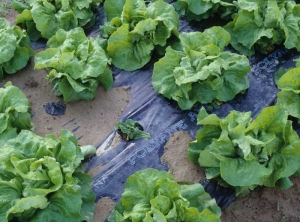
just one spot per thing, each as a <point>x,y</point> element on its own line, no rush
<point>152,195</point>
<point>14,112</point>
<point>262,24</point>
<point>42,18</point>
<point>203,71</point>
<point>42,179</point>
<point>15,50</point>
<point>244,153</point>
<point>135,29</point>
<point>76,65</point>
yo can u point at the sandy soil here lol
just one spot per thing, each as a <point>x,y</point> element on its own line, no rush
<point>176,159</point>
<point>266,205</point>
<point>83,118</point>
<point>103,209</point>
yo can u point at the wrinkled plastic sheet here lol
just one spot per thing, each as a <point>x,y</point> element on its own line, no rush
<point>162,117</point>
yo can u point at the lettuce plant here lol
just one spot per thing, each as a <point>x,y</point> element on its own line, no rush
<point>42,18</point>
<point>244,153</point>
<point>135,29</point>
<point>42,179</point>
<point>288,81</point>
<point>152,195</point>
<point>202,71</point>
<point>261,24</point>
<point>76,65</point>
<point>14,112</point>
<point>131,129</point>
<point>203,9</point>
<point>15,49</point>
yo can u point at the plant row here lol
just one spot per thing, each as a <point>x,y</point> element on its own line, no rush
<point>202,71</point>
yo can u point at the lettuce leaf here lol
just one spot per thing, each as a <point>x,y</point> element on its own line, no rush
<point>15,48</point>
<point>203,9</point>
<point>135,29</point>
<point>14,112</point>
<point>203,71</point>
<point>152,195</point>
<point>244,153</point>
<point>271,23</point>
<point>42,18</point>
<point>288,82</point>
<point>42,179</point>
<point>76,64</point>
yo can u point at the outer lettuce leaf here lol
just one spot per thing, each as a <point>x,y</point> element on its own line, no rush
<point>203,9</point>
<point>127,54</point>
<point>24,20</point>
<point>135,29</point>
<point>167,21</point>
<point>204,72</point>
<point>288,98</point>
<point>41,179</point>
<point>152,195</point>
<point>14,112</point>
<point>42,18</point>
<point>244,153</point>
<point>271,23</point>
<point>113,8</point>
<point>15,48</point>
<point>76,64</point>
<point>7,41</point>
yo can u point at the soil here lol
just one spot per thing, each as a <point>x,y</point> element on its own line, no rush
<point>103,208</point>
<point>84,118</point>
<point>176,159</point>
<point>10,15</point>
<point>266,204</point>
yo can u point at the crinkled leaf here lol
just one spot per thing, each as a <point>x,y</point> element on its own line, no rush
<point>288,98</point>
<point>14,111</point>
<point>136,29</point>
<point>244,153</point>
<point>203,9</point>
<point>15,48</point>
<point>152,195</point>
<point>167,19</point>
<point>130,129</point>
<point>8,41</point>
<point>42,18</point>
<point>271,22</point>
<point>124,51</point>
<point>134,11</point>
<point>77,65</point>
<point>113,8</point>
<point>42,179</point>
<point>199,199</point>
<point>203,72</point>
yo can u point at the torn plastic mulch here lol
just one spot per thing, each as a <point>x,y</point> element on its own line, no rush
<point>161,117</point>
